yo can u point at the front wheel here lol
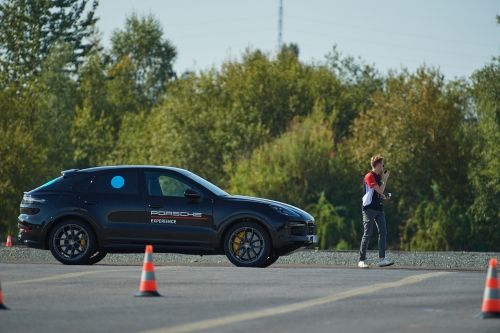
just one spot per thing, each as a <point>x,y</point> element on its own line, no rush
<point>96,257</point>
<point>247,244</point>
<point>72,242</point>
<point>269,261</point>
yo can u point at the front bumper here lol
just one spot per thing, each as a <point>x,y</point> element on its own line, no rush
<point>289,244</point>
<point>293,236</point>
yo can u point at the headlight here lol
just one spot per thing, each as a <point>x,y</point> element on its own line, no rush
<point>284,211</point>
<point>27,199</point>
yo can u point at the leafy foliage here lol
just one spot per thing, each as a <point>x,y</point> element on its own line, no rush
<point>264,124</point>
<point>437,225</point>
<point>292,168</point>
<point>301,168</point>
<point>486,135</point>
<point>92,138</point>
<point>213,118</point>
<point>416,124</point>
<point>29,29</point>
<point>151,56</point>
<point>330,227</point>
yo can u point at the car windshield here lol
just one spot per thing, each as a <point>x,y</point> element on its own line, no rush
<point>205,183</point>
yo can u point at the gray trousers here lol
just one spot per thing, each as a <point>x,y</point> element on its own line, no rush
<point>370,216</point>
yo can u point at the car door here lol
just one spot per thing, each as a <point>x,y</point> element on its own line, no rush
<point>115,200</point>
<point>175,220</point>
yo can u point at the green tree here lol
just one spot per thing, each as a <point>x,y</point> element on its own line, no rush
<point>152,56</point>
<point>332,229</point>
<point>92,138</point>
<point>357,82</point>
<point>120,91</point>
<point>23,156</point>
<point>295,168</point>
<point>133,145</point>
<point>106,95</point>
<point>417,124</point>
<point>215,117</point>
<point>56,107</point>
<point>438,225</point>
<point>29,29</point>
<point>41,45</point>
<point>302,168</point>
<point>486,161</point>
<point>16,175</point>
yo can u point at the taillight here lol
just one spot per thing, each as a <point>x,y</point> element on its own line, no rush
<point>29,211</point>
<point>28,199</point>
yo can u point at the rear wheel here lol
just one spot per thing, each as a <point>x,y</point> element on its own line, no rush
<point>247,244</point>
<point>72,242</point>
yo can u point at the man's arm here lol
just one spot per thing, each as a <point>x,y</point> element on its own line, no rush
<point>380,189</point>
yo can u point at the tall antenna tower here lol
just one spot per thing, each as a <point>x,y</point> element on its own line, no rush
<point>280,25</point>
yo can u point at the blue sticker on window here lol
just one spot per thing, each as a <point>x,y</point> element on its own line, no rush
<point>117,182</point>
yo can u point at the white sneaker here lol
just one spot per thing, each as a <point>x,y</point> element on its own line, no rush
<point>385,262</point>
<point>362,264</point>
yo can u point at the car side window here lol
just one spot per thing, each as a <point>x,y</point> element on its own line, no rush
<point>119,182</point>
<point>160,184</point>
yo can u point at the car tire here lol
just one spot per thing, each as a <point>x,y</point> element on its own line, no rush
<point>96,257</point>
<point>247,244</point>
<point>269,261</point>
<point>72,242</point>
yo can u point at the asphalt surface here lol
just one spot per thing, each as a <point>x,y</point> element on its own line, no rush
<point>56,298</point>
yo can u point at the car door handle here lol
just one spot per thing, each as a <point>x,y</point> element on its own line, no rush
<point>155,206</point>
<point>91,202</point>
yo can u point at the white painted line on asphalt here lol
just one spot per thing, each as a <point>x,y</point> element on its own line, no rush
<point>206,324</point>
<point>72,275</point>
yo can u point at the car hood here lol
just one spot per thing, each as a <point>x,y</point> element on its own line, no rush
<point>267,202</point>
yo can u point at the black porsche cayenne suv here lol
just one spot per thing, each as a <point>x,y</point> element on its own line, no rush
<point>85,214</point>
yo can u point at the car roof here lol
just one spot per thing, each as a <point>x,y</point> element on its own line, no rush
<point>123,167</point>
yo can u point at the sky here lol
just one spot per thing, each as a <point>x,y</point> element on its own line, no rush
<point>456,36</point>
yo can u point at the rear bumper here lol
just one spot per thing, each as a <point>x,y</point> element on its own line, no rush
<point>33,245</point>
<point>30,235</point>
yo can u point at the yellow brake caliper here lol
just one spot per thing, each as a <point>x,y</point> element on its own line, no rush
<point>83,242</point>
<point>236,243</point>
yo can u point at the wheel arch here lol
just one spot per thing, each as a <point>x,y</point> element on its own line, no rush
<point>81,218</point>
<point>227,226</point>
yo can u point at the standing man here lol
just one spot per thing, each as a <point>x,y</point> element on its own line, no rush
<point>372,211</point>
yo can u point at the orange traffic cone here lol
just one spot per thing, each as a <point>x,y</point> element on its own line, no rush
<point>2,307</point>
<point>491,298</point>
<point>9,241</point>
<point>148,281</point>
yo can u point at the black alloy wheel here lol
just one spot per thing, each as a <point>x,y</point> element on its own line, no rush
<point>72,242</point>
<point>247,244</point>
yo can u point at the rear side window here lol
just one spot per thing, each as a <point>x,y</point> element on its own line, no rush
<point>119,182</point>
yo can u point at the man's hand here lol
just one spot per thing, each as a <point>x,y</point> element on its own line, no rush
<point>380,189</point>
<point>386,175</point>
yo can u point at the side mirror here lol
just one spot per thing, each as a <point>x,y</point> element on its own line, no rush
<point>192,194</point>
